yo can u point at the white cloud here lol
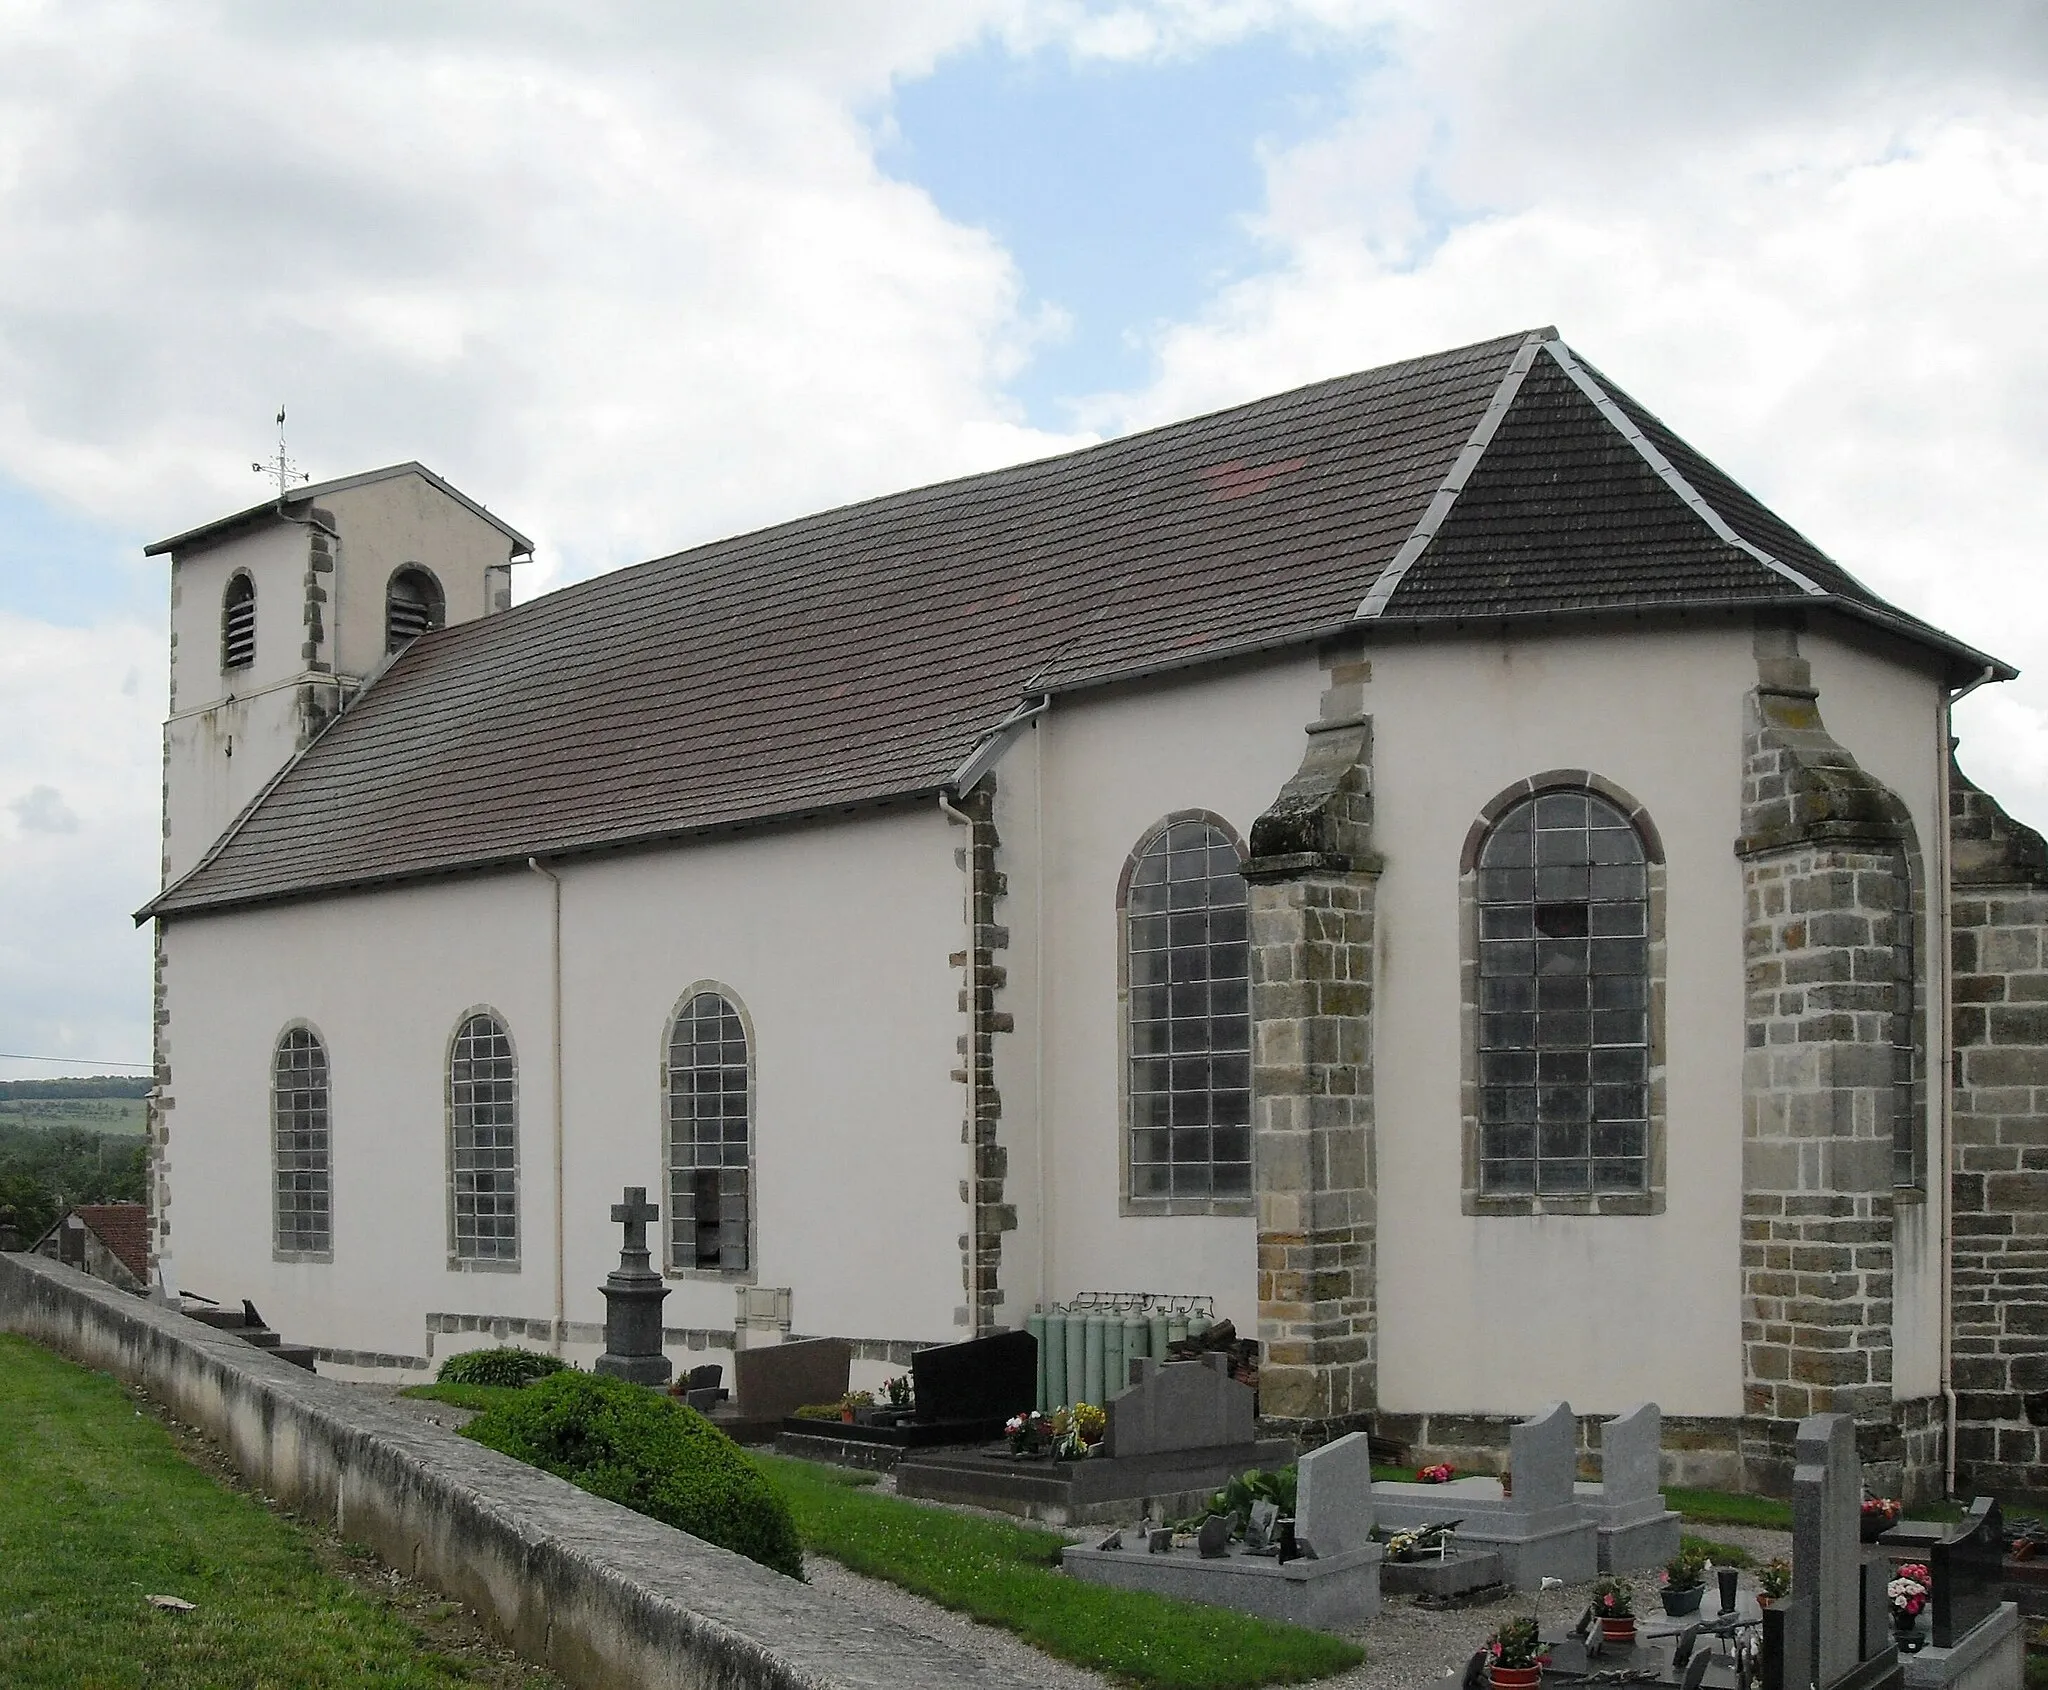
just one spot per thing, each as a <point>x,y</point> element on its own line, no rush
<point>42,809</point>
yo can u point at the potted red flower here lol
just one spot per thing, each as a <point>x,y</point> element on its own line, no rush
<point>1614,1607</point>
<point>1437,1473</point>
<point>1908,1593</point>
<point>1516,1656</point>
<point>1880,1514</point>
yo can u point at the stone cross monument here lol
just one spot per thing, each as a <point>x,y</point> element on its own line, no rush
<point>633,1297</point>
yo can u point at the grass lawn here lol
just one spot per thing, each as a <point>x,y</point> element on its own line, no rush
<point>99,1509</point>
<point>477,1397</point>
<point>1008,1575</point>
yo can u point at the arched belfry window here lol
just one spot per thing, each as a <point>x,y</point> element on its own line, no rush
<point>301,1151</point>
<point>483,1142</point>
<point>1564,1001</point>
<point>413,603</point>
<point>238,623</point>
<point>710,1136</point>
<point>1187,963</point>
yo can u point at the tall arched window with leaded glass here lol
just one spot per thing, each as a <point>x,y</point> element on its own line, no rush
<point>710,1136</point>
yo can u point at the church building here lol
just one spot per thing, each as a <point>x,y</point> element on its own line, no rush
<point>1425,861</point>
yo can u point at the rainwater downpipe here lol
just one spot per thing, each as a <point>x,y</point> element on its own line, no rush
<point>554,881</point>
<point>1945,729</point>
<point>971,977</point>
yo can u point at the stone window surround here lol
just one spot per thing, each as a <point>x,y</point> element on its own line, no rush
<point>1651,1200</point>
<point>1150,1207</point>
<point>476,1264</point>
<point>436,606</point>
<point>750,1274</point>
<point>301,1024</point>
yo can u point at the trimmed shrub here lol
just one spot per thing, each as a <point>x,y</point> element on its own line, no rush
<point>656,1456</point>
<point>510,1366</point>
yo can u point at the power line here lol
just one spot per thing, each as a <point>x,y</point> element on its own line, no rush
<point>72,1061</point>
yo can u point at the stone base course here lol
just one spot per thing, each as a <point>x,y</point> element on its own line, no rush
<point>600,1595</point>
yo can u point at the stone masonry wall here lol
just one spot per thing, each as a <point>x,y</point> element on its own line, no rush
<point>1999,1188</point>
<point>1313,876</point>
<point>1826,885</point>
<point>992,1215</point>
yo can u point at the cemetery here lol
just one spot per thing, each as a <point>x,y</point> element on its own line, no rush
<point>1201,1509</point>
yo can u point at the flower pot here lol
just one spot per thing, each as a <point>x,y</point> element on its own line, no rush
<point>1874,1527</point>
<point>1683,1599</point>
<point>1619,1632</point>
<point>1514,1678</point>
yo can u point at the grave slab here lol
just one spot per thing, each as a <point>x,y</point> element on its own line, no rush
<point>1333,1496</point>
<point>1098,1491</point>
<point>1990,1656</point>
<point>1459,1573</point>
<point>964,1393</point>
<point>1540,1531</point>
<point>1330,1593</point>
<point>771,1383</point>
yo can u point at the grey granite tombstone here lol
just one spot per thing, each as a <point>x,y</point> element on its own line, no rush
<point>1179,1405</point>
<point>1544,1458</point>
<point>1259,1529</point>
<point>1333,1495</point>
<point>1827,1552</point>
<point>1213,1540</point>
<point>633,1295</point>
<point>1636,1529</point>
<point>778,1379</point>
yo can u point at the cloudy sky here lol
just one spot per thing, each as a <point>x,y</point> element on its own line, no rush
<point>637,275</point>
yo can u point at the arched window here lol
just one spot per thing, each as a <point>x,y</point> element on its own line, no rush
<point>1187,963</point>
<point>300,1145</point>
<point>483,1142</point>
<point>1564,1000</point>
<point>413,603</point>
<point>238,623</point>
<point>710,1136</point>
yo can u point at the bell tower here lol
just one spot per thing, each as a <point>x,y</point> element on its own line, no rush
<point>282,613</point>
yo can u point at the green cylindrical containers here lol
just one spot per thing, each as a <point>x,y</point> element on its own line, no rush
<point>1094,1347</point>
<point>1177,1329</point>
<point>1112,1356</point>
<point>1034,1323</point>
<point>1077,1356</point>
<point>1158,1347</point>
<point>1137,1342</point>
<point>1055,1391</point>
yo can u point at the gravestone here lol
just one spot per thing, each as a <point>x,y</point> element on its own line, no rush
<point>1262,1527</point>
<point>1968,1565</point>
<point>982,1379</point>
<point>1543,1455</point>
<point>1179,1405</point>
<point>1213,1540</point>
<point>633,1295</point>
<point>1827,1552</point>
<point>776,1381</point>
<point>1333,1495</point>
<point>1636,1529</point>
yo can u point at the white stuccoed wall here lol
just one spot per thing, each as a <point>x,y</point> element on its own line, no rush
<point>835,938</point>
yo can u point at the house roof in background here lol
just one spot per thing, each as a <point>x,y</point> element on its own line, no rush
<point>221,527</point>
<point>122,1227</point>
<point>862,654</point>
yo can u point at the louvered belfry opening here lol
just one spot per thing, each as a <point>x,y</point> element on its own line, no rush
<point>413,604</point>
<point>238,624</point>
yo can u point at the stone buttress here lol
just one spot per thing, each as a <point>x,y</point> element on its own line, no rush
<point>1312,877</point>
<point>1828,1089</point>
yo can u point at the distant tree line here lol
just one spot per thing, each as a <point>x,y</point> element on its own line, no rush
<point>93,1085</point>
<point>46,1170</point>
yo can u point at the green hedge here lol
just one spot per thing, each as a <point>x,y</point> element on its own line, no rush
<point>498,1367</point>
<point>634,1446</point>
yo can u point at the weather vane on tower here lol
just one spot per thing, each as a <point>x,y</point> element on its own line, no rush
<point>281,469</point>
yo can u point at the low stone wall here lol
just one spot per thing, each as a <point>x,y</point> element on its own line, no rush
<point>599,1594</point>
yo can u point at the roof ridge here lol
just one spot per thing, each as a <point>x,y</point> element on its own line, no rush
<point>1453,483</point>
<point>1668,472</point>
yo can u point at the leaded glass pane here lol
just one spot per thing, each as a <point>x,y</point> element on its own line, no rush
<point>1188,961</point>
<point>1564,1044</point>
<point>483,1124</point>
<point>710,1136</point>
<point>300,1144</point>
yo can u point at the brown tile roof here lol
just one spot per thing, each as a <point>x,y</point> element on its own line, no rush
<point>124,1229</point>
<point>860,655</point>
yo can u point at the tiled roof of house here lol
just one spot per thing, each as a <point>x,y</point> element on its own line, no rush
<point>124,1229</point>
<point>861,655</point>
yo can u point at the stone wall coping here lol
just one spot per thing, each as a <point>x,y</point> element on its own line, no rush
<point>599,1594</point>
